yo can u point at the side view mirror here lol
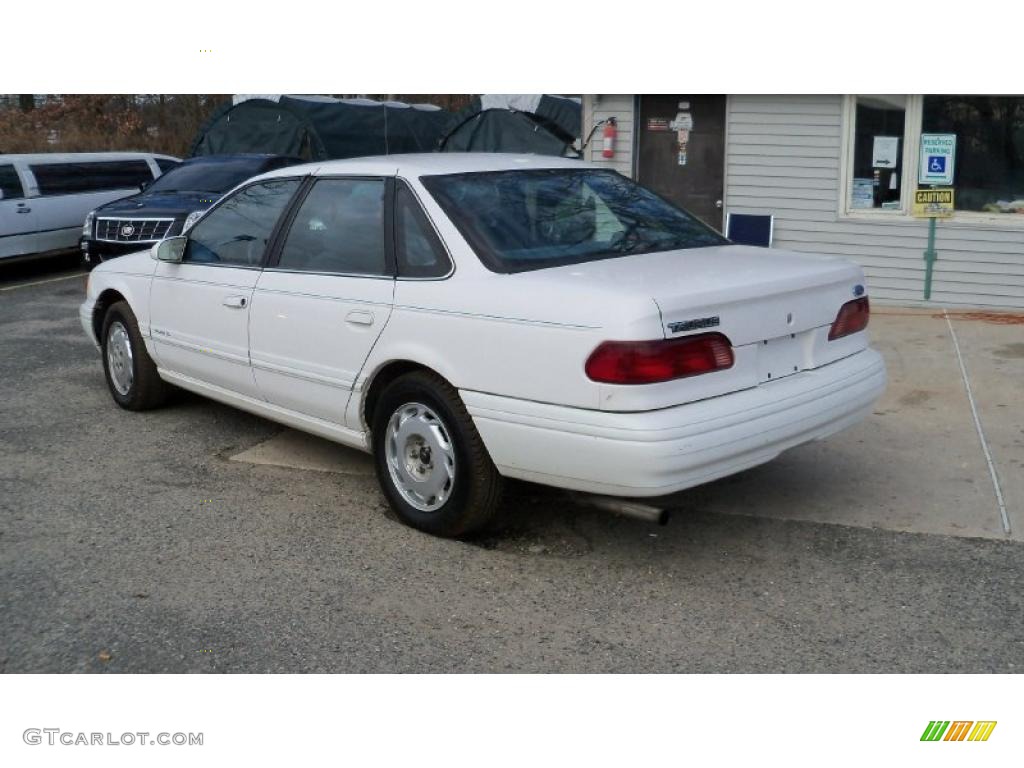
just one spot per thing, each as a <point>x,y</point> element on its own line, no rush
<point>143,185</point>
<point>172,249</point>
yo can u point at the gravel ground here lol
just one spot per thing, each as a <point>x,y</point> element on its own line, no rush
<point>129,543</point>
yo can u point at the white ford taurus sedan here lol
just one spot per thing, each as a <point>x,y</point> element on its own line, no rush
<point>468,318</point>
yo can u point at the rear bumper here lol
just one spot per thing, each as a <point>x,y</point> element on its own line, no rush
<point>659,452</point>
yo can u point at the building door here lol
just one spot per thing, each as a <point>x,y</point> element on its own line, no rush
<point>682,152</point>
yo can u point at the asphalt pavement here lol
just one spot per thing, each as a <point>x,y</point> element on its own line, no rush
<point>139,543</point>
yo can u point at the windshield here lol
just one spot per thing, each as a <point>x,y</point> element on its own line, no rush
<point>206,177</point>
<point>521,220</point>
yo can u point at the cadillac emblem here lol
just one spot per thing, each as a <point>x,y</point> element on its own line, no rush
<point>127,230</point>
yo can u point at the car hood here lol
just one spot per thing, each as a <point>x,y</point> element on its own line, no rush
<point>160,204</point>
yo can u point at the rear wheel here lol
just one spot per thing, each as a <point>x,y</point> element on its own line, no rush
<point>130,372</point>
<point>431,463</point>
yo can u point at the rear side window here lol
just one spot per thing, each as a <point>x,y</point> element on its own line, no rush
<point>339,228</point>
<point>10,184</point>
<point>165,164</point>
<point>237,231</point>
<point>420,252</point>
<point>77,178</point>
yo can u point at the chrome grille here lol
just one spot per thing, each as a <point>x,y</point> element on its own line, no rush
<point>132,230</point>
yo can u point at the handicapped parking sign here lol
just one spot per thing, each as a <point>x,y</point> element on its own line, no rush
<point>938,151</point>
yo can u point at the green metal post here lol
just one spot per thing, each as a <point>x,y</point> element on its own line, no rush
<point>929,259</point>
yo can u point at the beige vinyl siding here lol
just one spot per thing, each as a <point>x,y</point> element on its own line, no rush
<point>600,107</point>
<point>783,156</point>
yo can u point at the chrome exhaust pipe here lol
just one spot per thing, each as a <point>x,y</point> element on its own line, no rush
<point>625,508</point>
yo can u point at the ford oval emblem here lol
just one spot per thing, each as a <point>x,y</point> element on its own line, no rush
<point>127,230</point>
<point>858,290</point>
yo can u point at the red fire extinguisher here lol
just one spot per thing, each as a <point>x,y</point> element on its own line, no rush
<point>610,133</point>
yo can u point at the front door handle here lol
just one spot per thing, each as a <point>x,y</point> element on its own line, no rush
<point>23,210</point>
<point>359,317</point>
<point>235,302</point>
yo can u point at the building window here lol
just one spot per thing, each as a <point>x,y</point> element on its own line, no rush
<point>989,165</point>
<point>878,135</point>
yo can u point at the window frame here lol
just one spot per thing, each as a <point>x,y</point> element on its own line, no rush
<point>273,258</point>
<point>275,233</point>
<point>908,169</point>
<point>17,177</point>
<point>425,215</point>
<point>912,138</point>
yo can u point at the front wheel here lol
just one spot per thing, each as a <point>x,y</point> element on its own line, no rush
<point>431,463</point>
<point>130,372</point>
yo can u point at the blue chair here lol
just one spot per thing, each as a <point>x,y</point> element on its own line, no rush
<point>750,229</point>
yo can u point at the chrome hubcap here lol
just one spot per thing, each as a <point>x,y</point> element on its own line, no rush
<point>119,358</point>
<point>420,456</point>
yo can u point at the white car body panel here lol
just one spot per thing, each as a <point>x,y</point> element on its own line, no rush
<point>310,335</point>
<point>307,348</point>
<point>199,319</point>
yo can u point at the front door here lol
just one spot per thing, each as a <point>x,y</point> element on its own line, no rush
<point>682,152</point>
<point>199,309</point>
<point>324,299</point>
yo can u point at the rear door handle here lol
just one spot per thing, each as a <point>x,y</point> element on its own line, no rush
<point>359,317</point>
<point>24,210</point>
<point>235,302</point>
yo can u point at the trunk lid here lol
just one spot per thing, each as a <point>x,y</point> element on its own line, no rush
<point>775,307</point>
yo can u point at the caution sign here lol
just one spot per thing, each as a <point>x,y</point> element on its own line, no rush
<point>933,203</point>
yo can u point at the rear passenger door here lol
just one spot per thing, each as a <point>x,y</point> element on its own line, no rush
<point>324,297</point>
<point>18,221</point>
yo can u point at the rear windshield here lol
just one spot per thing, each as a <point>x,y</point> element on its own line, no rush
<point>522,220</point>
<point>207,177</point>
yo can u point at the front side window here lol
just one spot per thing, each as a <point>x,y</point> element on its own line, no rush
<point>522,220</point>
<point>10,184</point>
<point>78,178</point>
<point>339,228</point>
<point>989,161</point>
<point>237,231</point>
<point>879,131</point>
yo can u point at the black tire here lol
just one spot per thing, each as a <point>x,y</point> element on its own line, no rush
<point>146,389</point>
<point>474,493</point>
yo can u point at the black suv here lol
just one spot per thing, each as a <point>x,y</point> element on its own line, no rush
<point>161,208</point>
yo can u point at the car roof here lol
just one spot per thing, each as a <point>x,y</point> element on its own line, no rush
<point>81,157</point>
<point>431,164</point>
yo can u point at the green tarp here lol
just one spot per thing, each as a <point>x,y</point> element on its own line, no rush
<point>321,128</point>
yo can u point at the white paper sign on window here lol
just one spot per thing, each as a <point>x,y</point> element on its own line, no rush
<point>886,151</point>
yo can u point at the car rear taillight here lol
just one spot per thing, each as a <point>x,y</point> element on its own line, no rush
<point>650,362</point>
<point>853,316</point>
